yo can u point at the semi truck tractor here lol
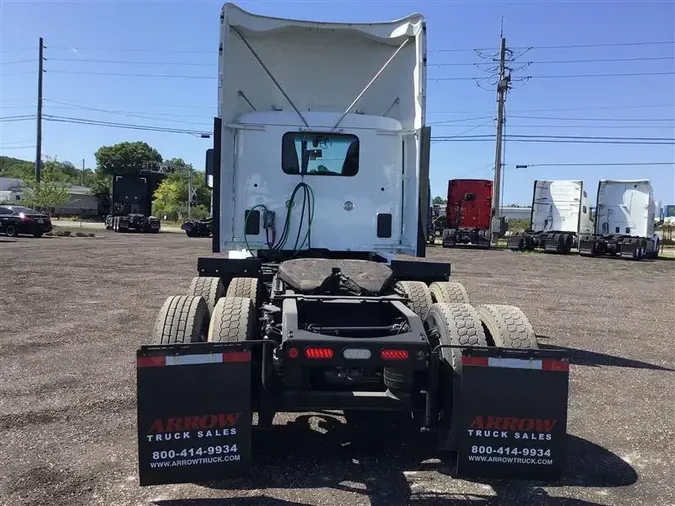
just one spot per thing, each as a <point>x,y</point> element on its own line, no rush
<point>131,204</point>
<point>320,174</point>
<point>625,220</point>
<point>468,213</point>
<point>560,213</point>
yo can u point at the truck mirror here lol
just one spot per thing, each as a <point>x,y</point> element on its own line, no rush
<point>208,168</point>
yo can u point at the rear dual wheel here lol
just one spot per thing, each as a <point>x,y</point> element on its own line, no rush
<point>452,325</point>
<point>464,325</point>
<point>182,319</point>
<point>421,296</point>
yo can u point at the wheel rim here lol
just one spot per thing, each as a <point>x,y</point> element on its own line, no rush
<point>10,230</point>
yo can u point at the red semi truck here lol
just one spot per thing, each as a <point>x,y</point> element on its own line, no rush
<point>468,213</point>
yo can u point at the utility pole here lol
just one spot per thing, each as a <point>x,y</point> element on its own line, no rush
<point>190,193</point>
<point>502,88</point>
<point>38,148</point>
<point>82,174</point>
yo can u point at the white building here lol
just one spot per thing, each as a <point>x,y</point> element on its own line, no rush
<point>82,201</point>
<point>511,213</point>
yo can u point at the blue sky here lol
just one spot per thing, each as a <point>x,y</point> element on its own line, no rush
<point>187,33</point>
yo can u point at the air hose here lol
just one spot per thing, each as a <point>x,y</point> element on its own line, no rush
<point>307,203</point>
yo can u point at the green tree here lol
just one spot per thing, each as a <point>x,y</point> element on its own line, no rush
<point>15,168</point>
<point>126,158</point>
<point>171,196</point>
<point>46,195</point>
<point>439,201</point>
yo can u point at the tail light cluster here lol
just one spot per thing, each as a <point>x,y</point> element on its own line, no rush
<point>325,353</point>
<point>394,354</point>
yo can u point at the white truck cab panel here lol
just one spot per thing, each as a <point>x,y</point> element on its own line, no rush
<point>359,85</point>
<point>561,206</point>
<point>625,207</point>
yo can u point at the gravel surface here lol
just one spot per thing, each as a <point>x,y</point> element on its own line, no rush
<point>73,311</point>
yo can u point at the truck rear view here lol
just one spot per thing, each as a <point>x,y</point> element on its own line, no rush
<point>624,222</point>
<point>560,212</point>
<point>320,180</point>
<point>468,213</point>
<point>131,205</point>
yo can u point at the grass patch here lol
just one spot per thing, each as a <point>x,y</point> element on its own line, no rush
<point>65,232</point>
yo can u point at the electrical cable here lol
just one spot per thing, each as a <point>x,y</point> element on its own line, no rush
<point>132,62</point>
<point>307,203</point>
<point>164,76</point>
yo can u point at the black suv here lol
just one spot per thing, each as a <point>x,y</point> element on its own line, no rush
<point>15,220</point>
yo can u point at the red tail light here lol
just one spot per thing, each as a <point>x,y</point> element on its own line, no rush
<point>320,353</point>
<point>292,353</point>
<point>394,354</point>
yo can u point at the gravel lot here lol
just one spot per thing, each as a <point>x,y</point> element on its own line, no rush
<point>73,311</point>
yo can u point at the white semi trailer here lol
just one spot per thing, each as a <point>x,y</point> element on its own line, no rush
<point>625,219</point>
<point>320,180</point>
<point>560,213</point>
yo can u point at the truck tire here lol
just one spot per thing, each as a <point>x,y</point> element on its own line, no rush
<point>245,287</point>
<point>211,288</point>
<point>453,324</point>
<point>449,292</point>
<point>182,319</point>
<point>506,326</point>
<point>233,320</point>
<point>419,295</point>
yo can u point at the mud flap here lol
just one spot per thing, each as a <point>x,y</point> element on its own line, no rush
<point>194,412</point>
<point>513,418</point>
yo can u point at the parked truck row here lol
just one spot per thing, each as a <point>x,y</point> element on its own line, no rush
<point>561,219</point>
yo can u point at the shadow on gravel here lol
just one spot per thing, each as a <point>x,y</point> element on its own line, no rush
<point>594,359</point>
<point>392,467</point>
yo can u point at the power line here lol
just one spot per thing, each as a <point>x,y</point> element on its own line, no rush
<point>561,76</point>
<point>562,139</point>
<point>134,62</point>
<point>554,141</point>
<point>135,50</point>
<point>607,107</point>
<point>598,137</point>
<point>571,76</point>
<point>22,117</point>
<point>168,76</point>
<point>461,120</point>
<point>125,113</point>
<point>5,143</point>
<point>474,127</point>
<point>6,148</point>
<point>604,44</point>
<point>151,128</point>
<point>437,50</point>
<point>546,62</point>
<point>611,127</point>
<point>16,61</point>
<point>597,119</point>
<point>604,164</point>
<point>146,115</point>
<point>583,137</point>
<point>167,105</point>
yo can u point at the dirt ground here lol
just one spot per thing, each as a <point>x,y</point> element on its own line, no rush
<point>73,311</point>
